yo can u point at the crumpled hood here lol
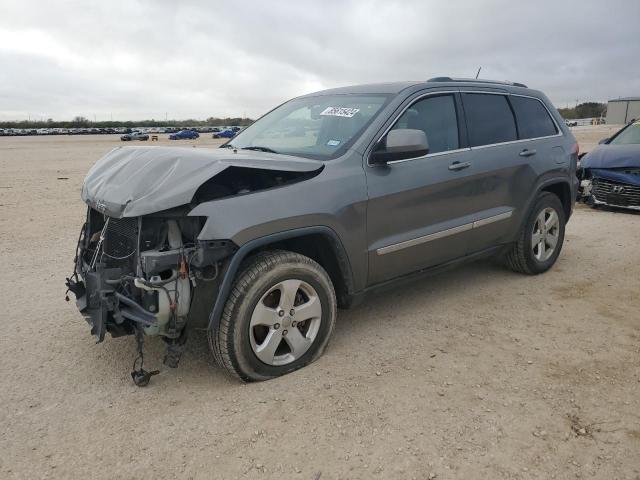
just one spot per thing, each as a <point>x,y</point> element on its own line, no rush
<point>612,156</point>
<point>134,181</point>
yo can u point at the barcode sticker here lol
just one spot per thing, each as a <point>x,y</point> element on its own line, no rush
<point>340,112</point>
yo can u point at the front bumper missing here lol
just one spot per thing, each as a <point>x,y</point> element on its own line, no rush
<point>105,309</point>
<point>138,278</point>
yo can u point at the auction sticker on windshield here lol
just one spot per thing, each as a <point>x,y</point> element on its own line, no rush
<point>340,111</point>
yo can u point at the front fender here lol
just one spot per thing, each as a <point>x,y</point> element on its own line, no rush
<point>336,199</point>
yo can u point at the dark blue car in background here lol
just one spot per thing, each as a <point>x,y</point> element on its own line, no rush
<point>184,134</point>
<point>225,134</point>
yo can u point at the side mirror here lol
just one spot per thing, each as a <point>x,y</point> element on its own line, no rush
<point>401,144</point>
<point>604,140</point>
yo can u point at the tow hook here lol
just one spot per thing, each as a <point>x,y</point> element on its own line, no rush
<point>140,376</point>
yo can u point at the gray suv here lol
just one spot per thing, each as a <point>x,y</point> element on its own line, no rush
<point>322,200</point>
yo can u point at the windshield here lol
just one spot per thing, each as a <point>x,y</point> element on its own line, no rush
<point>321,127</point>
<point>628,136</point>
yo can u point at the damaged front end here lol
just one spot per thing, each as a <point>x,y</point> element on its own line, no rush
<point>612,187</point>
<point>142,264</point>
<point>145,275</point>
<point>610,174</point>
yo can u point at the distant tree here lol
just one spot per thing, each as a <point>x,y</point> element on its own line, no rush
<point>80,121</point>
<point>567,112</point>
<point>584,110</point>
<point>591,109</point>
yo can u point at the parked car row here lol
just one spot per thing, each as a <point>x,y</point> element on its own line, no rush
<point>10,132</point>
<point>188,134</point>
<point>180,135</point>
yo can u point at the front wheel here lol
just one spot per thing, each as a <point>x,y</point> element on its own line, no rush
<point>278,318</point>
<point>540,238</point>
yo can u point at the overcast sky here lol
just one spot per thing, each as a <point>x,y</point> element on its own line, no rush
<point>188,59</point>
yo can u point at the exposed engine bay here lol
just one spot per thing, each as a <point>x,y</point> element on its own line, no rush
<point>139,275</point>
<point>142,269</point>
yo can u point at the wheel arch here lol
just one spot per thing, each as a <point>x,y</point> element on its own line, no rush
<point>562,189</point>
<point>319,243</point>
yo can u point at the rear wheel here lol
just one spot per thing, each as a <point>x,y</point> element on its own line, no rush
<point>279,317</point>
<point>541,237</point>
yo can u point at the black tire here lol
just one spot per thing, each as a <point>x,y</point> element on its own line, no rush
<point>231,343</point>
<point>520,258</point>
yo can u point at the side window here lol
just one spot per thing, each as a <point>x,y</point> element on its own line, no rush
<point>533,119</point>
<point>435,116</point>
<point>489,119</point>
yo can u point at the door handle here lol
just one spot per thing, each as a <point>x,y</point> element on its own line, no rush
<point>455,166</point>
<point>527,153</point>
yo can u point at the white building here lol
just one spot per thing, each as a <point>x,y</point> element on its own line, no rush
<point>623,110</point>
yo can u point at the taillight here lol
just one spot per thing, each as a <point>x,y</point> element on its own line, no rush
<point>575,157</point>
<point>575,150</point>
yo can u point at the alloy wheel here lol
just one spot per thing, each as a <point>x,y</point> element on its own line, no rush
<point>546,231</point>
<point>285,322</point>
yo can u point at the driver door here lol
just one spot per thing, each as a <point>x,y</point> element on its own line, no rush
<point>421,210</point>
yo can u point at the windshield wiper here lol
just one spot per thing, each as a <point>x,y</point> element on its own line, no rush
<point>226,145</point>
<point>260,149</point>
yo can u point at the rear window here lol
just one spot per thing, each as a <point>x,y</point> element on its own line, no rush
<point>489,119</point>
<point>533,118</point>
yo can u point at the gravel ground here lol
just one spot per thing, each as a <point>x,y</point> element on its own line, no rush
<point>475,373</point>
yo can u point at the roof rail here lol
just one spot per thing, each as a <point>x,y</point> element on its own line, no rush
<point>475,80</point>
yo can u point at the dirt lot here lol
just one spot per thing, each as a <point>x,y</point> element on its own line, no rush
<point>476,373</point>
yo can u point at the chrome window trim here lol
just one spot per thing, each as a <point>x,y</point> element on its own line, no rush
<point>510,142</point>
<point>458,150</point>
<point>437,154</point>
<point>394,247</point>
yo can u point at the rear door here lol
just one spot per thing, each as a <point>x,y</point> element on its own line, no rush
<point>493,136</point>
<point>420,209</point>
<point>508,155</point>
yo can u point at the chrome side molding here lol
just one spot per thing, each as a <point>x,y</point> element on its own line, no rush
<point>443,233</point>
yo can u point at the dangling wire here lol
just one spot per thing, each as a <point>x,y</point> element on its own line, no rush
<point>140,343</point>
<point>139,375</point>
<point>74,275</point>
<point>103,232</point>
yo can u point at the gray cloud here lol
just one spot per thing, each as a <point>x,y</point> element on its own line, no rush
<point>145,59</point>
